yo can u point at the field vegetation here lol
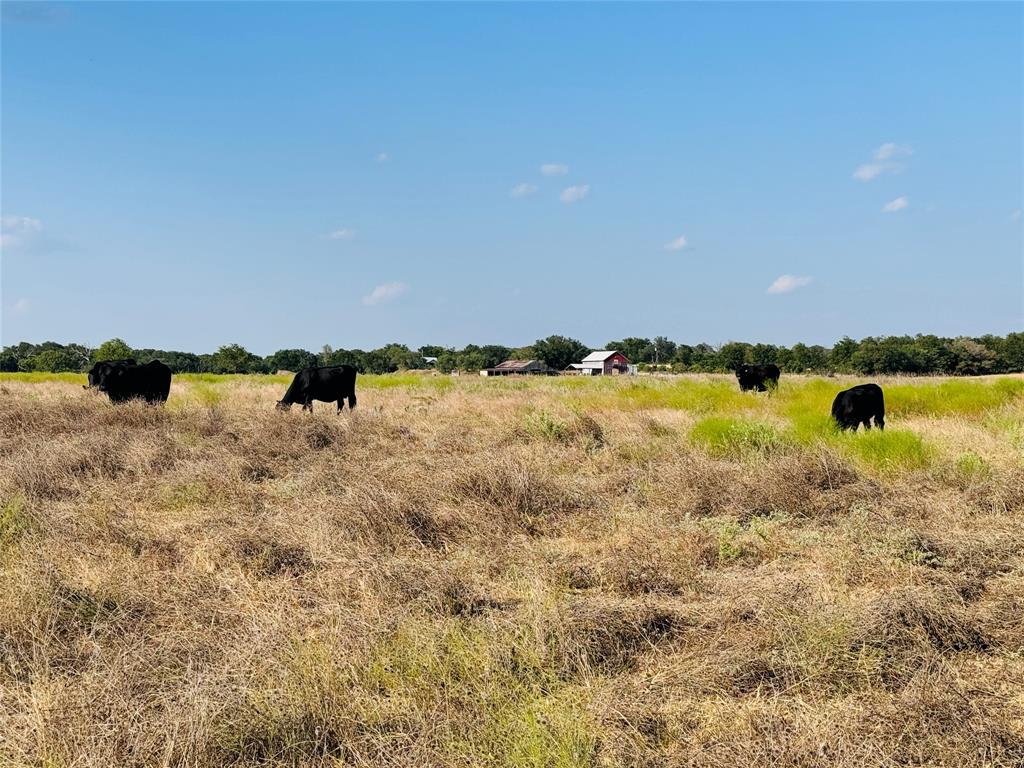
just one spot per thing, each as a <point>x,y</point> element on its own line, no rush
<point>534,572</point>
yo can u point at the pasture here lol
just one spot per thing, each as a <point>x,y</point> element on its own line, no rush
<point>531,572</point>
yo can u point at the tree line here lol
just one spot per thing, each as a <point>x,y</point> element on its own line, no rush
<point>921,354</point>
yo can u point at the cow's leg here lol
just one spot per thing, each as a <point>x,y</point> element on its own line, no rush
<point>341,404</point>
<point>307,405</point>
<point>352,401</point>
<point>867,424</point>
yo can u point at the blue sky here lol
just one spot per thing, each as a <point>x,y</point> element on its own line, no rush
<point>289,175</point>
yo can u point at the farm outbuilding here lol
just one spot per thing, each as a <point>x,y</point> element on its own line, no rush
<point>518,368</point>
<point>605,362</point>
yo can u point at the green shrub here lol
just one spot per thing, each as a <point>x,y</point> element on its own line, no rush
<point>970,467</point>
<point>734,438</point>
<point>888,451</point>
<point>543,425</point>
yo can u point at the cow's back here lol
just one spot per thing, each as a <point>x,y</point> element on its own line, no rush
<point>332,383</point>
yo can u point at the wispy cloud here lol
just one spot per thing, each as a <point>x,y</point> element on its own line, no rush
<point>895,206</point>
<point>554,169</point>
<point>17,230</point>
<point>885,159</point>
<point>383,157</point>
<point>574,194</point>
<point>341,234</point>
<point>867,172</point>
<point>21,306</point>
<point>676,245</point>
<point>891,150</point>
<point>385,292</point>
<point>789,283</point>
<point>523,190</point>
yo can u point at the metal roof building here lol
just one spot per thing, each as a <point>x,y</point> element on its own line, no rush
<point>518,368</point>
<point>604,362</point>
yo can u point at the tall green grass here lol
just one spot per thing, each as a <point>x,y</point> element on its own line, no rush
<point>728,437</point>
<point>888,452</point>
<point>40,377</point>
<point>407,380</point>
<point>966,397</point>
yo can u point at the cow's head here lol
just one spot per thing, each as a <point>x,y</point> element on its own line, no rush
<point>283,406</point>
<point>741,370</point>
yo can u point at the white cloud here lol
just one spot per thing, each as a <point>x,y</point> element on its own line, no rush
<point>385,292</point>
<point>895,206</point>
<point>885,159</point>
<point>789,283</point>
<point>383,157</point>
<point>15,230</point>
<point>573,194</point>
<point>554,169</point>
<point>867,172</point>
<point>341,234</point>
<point>676,245</point>
<point>21,306</point>
<point>889,150</point>
<point>523,190</point>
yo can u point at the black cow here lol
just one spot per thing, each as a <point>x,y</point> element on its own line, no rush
<point>150,382</point>
<point>759,378</point>
<point>857,405</point>
<point>324,384</point>
<point>99,371</point>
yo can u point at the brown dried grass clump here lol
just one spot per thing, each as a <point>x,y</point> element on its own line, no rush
<point>905,628</point>
<point>596,636</point>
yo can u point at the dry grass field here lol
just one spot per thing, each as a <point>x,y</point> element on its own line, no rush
<point>552,572</point>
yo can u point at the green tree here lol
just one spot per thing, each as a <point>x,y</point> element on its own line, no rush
<point>764,354</point>
<point>112,349</point>
<point>559,351</point>
<point>291,360</point>
<point>637,349</point>
<point>354,357</point>
<point>400,358</point>
<point>802,359</point>
<point>234,358</point>
<point>58,360</point>
<point>974,359</point>
<point>732,355</point>
<point>664,349</point>
<point>841,356</point>
<point>178,362</point>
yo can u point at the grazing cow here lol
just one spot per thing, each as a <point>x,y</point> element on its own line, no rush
<point>759,378</point>
<point>857,405</point>
<point>324,384</point>
<point>99,371</point>
<point>150,382</point>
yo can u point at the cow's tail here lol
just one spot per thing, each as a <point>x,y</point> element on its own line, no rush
<point>880,413</point>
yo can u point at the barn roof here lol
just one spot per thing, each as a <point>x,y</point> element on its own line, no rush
<point>513,365</point>
<point>599,357</point>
